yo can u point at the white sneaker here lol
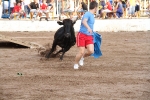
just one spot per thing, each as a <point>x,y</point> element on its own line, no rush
<point>81,62</point>
<point>76,66</point>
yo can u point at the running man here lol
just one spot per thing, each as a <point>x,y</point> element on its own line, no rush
<point>84,36</point>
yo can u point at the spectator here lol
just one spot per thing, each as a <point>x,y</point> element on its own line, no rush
<point>17,11</point>
<point>43,9</point>
<point>12,4</point>
<point>107,10</point>
<point>137,9</point>
<point>82,9</point>
<point>70,9</point>
<point>131,8</point>
<point>119,8</point>
<point>34,8</point>
<point>124,7</point>
<point>26,8</point>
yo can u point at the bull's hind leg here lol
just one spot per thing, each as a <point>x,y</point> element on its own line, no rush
<point>51,51</point>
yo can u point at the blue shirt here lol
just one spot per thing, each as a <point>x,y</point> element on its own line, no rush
<point>90,21</point>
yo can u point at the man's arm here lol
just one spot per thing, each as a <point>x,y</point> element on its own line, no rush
<point>86,25</point>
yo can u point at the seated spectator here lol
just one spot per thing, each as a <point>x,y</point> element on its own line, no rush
<point>43,9</point>
<point>70,9</point>
<point>82,9</point>
<point>107,10</point>
<point>34,8</point>
<point>17,11</point>
<point>119,9</point>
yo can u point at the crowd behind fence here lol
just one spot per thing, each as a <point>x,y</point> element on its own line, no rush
<point>107,9</point>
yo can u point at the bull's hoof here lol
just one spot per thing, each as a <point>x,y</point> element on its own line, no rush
<point>61,59</point>
<point>47,56</point>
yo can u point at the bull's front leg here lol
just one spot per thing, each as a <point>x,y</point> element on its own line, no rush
<point>64,51</point>
<point>52,50</point>
<point>61,57</point>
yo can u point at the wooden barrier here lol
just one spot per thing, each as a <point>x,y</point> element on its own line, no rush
<point>17,41</point>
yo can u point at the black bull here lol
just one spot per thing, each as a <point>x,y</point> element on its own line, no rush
<point>64,37</point>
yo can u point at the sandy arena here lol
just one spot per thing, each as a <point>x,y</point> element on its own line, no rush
<point>122,73</point>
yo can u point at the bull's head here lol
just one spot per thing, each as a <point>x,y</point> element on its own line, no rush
<point>68,25</point>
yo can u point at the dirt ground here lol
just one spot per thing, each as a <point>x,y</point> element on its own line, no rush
<point>122,73</point>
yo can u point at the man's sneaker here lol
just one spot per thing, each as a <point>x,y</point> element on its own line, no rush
<point>81,62</point>
<point>76,66</point>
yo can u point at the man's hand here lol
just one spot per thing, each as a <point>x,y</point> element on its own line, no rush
<point>89,30</point>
